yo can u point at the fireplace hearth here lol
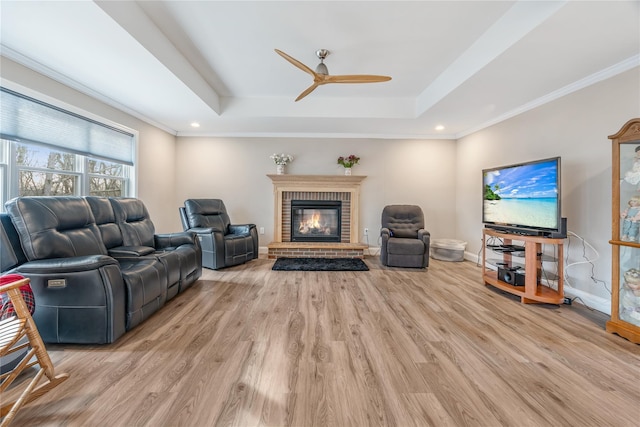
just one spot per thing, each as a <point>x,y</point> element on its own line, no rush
<point>316,220</point>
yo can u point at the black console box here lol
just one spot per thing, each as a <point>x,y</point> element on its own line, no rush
<point>511,275</point>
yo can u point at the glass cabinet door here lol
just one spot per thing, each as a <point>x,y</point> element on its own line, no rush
<point>629,285</point>
<point>629,192</point>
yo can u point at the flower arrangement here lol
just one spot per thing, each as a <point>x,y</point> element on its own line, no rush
<point>348,162</point>
<point>281,159</point>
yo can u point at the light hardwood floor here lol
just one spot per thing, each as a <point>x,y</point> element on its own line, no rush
<point>248,346</point>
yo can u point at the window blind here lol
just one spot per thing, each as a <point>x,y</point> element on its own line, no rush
<point>28,120</point>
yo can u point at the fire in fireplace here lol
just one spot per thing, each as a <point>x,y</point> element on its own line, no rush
<point>315,220</point>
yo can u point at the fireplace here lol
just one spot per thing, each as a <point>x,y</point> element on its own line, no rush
<point>316,220</point>
<point>321,188</point>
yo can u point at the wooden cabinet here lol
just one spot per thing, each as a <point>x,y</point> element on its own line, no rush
<point>523,267</point>
<point>625,240</point>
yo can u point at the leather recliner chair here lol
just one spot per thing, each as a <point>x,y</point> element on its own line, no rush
<point>405,242</point>
<point>223,244</point>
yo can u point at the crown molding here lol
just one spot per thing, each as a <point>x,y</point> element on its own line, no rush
<point>303,135</point>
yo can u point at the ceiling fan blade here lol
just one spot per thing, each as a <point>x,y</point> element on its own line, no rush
<point>356,78</point>
<point>296,62</point>
<point>307,91</point>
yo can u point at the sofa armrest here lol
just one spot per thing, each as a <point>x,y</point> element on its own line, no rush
<point>173,240</point>
<point>425,236</point>
<point>56,266</point>
<point>205,230</point>
<point>130,251</point>
<point>79,300</point>
<point>385,234</point>
<point>242,229</point>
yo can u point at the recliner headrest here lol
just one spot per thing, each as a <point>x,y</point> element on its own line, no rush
<point>55,227</point>
<point>403,220</point>
<point>207,213</point>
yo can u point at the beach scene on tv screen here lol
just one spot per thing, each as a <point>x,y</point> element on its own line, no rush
<point>524,195</point>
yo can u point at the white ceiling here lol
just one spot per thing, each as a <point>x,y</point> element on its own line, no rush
<point>460,64</point>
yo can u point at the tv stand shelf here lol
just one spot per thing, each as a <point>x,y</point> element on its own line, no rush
<point>533,291</point>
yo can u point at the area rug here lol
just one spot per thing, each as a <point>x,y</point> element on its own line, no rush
<point>320,264</point>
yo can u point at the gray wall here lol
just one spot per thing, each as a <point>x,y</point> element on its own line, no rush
<point>574,127</point>
<point>397,171</point>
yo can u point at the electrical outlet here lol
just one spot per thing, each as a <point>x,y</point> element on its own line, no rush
<point>261,230</point>
<point>366,231</point>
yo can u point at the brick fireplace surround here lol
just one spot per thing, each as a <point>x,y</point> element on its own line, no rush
<point>316,187</point>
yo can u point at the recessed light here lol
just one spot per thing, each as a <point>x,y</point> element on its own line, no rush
<point>439,127</point>
<point>195,125</point>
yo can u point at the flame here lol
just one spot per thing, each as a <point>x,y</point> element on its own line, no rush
<point>315,221</point>
<point>313,224</point>
<point>310,223</point>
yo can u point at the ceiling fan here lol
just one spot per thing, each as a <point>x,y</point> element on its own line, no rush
<point>321,74</point>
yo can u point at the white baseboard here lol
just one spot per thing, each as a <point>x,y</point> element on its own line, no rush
<point>603,305</point>
<point>372,251</point>
<point>470,256</point>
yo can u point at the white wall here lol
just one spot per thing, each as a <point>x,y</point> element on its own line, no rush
<point>574,127</point>
<point>156,148</point>
<point>398,171</point>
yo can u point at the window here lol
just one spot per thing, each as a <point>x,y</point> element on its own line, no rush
<point>41,172</point>
<point>107,178</point>
<point>48,151</point>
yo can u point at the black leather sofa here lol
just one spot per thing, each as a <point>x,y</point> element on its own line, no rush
<point>96,266</point>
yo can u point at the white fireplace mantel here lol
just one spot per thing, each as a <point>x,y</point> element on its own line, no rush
<point>317,183</point>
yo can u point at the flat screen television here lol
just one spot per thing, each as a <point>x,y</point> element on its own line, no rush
<point>523,198</point>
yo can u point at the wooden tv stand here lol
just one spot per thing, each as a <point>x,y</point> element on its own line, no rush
<point>531,291</point>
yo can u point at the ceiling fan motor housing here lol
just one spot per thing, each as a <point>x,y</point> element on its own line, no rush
<point>322,53</point>
<point>321,68</point>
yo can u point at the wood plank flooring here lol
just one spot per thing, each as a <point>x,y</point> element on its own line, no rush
<point>247,346</point>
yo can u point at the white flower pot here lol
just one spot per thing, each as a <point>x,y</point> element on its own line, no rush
<point>280,169</point>
<point>347,171</point>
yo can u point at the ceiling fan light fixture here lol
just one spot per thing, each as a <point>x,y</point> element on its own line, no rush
<point>322,69</point>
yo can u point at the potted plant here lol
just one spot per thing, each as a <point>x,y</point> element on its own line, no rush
<point>348,162</point>
<point>281,160</point>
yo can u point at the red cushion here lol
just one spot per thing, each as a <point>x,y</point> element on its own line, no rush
<point>6,307</point>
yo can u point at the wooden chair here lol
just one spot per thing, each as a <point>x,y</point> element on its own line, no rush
<point>12,332</point>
